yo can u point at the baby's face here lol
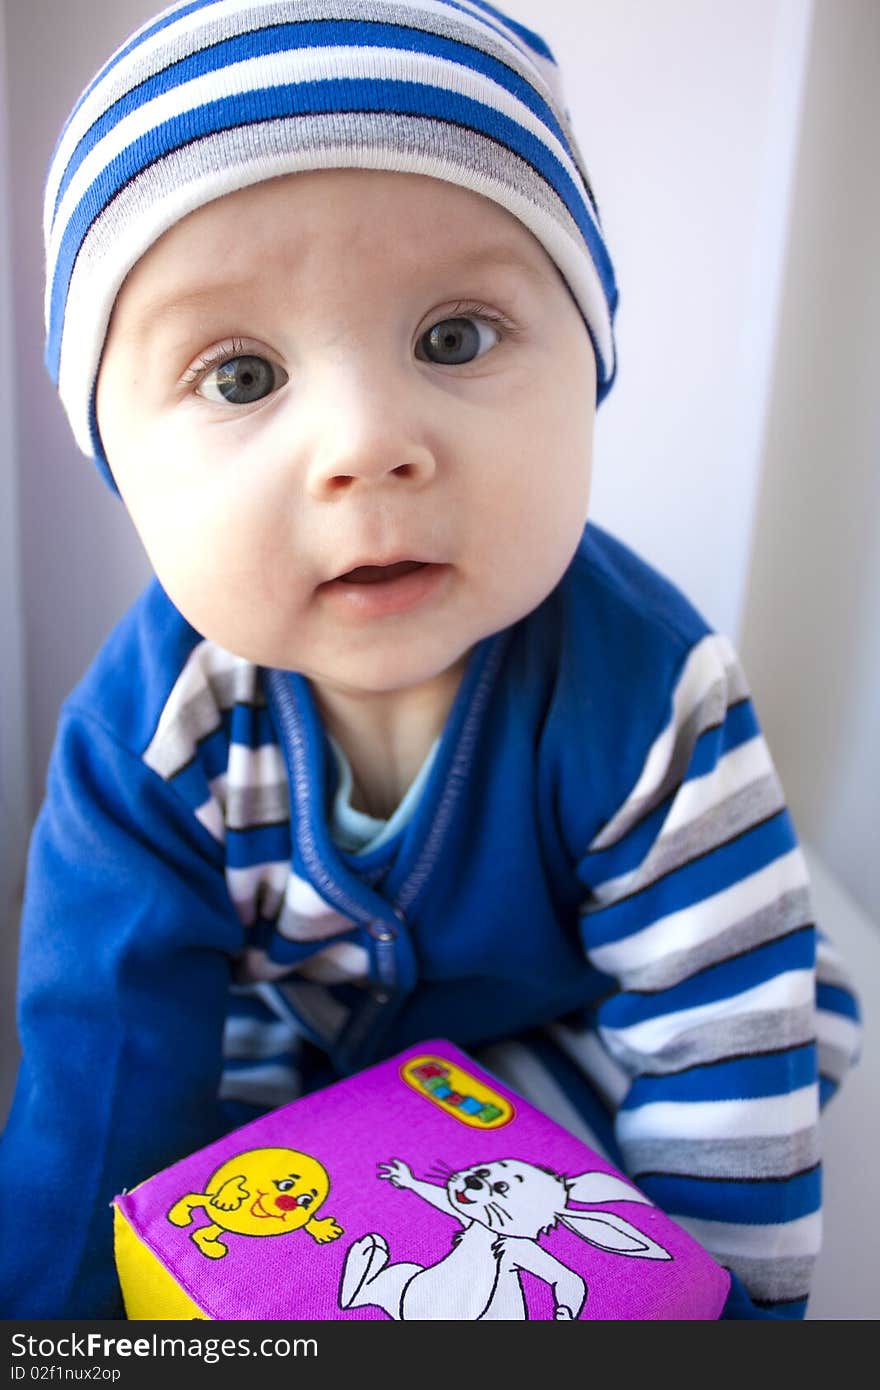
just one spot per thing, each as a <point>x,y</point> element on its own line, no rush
<point>345,369</point>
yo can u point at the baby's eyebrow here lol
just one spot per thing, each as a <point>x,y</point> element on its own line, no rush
<point>180,301</point>
<point>504,256</point>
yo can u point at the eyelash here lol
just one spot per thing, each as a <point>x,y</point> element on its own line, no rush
<point>214,357</point>
<point>470,309</point>
<point>234,347</point>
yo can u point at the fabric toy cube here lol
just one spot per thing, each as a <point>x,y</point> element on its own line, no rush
<point>388,1195</point>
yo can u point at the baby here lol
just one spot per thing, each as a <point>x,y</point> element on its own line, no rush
<point>396,746</point>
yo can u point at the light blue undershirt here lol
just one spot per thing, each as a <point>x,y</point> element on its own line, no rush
<point>356,831</point>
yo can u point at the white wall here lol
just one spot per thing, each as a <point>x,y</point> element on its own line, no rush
<point>811,638</point>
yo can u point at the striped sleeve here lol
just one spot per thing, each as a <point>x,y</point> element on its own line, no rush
<point>728,1018</point>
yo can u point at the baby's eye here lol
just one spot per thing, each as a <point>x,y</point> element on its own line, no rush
<point>457,340</point>
<point>283,1184</point>
<point>241,380</point>
<point>500,1188</point>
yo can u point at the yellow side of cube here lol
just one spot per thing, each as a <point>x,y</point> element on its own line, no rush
<point>149,1291</point>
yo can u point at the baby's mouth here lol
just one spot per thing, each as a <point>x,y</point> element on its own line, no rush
<point>367,592</point>
<point>376,574</point>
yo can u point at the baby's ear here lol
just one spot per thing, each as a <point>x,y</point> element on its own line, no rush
<point>603,1187</point>
<point>610,1232</point>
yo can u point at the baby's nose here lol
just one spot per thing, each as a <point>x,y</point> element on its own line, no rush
<point>368,442</point>
<point>285,1203</point>
<point>342,470</point>
<point>473,1183</point>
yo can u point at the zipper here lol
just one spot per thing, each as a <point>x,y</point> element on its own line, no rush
<point>286,709</point>
<point>384,933</point>
<point>389,937</point>
<point>455,781</point>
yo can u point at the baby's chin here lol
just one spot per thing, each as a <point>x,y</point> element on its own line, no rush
<point>394,670</point>
<point>388,663</point>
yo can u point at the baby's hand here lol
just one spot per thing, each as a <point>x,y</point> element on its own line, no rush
<point>397,1173</point>
<point>325,1229</point>
<point>230,1195</point>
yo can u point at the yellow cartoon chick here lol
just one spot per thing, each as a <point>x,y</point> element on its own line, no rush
<point>264,1192</point>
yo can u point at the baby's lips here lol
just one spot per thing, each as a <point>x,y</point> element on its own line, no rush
<point>374,574</point>
<point>369,568</point>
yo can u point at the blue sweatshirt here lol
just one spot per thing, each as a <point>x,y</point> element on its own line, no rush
<point>600,883</point>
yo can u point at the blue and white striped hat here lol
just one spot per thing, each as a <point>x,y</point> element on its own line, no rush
<point>214,95</point>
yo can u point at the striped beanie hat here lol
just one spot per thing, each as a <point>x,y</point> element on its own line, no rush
<point>214,95</point>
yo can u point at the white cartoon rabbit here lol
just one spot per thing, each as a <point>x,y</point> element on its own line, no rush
<point>503,1207</point>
